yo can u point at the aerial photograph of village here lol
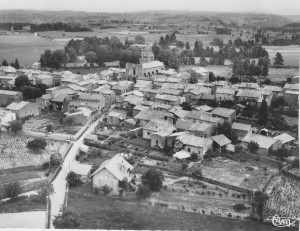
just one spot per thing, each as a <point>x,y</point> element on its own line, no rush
<point>150,115</point>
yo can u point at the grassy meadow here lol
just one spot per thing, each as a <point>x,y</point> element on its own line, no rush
<point>25,47</point>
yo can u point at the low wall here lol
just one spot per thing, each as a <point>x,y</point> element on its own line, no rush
<point>285,171</point>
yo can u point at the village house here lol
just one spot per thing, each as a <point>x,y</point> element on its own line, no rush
<point>170,91</point>
<point>291,97</point>
<point>182,77</point>
<point>225,94</point>
<point>149,93</point>
<point>44,101</point>
<point>129,124</point>
<point>207,99</point>
<point>291,87</point>
<point>130,101</point>
<point>136,93</point>
<point>249,86</point>
<point>178,112</point>
<point>140,84</point>
<point>265,143</point>
<point>122,87</point>
<point>65,90</point>
<point>145,116</point>
<point>158,81</point>
<point>147,69</point>
<point>111,172</point>
<point>204,129</point>
<point>5,70</point>
<point>6,117</point>
<point>78,88</point>
<point>81,170</point>
<point>200,116</point>
<point>44,79</point>
<point>167,99</point>
<point>116,118</point>
<point>193,95</point>
<point>228,115</point>
<point>295,79</point>
<point>276,90</point>
<point>241,130</point>
<point>23,109</point>
<point>8,81</point>
<point>138,108</point>
<point>249,95</point>
<point>221,142</point>
<point>79,116</point>
<point>92,99</point>
<point>160,106</point>
<point>7,97</point>
<point>286,140</point>
<point>204,108</point>
<point>220,84</point>
<point>176,86</point>
<point>195,144</point>
<point>157,131</point>
<point>204,73</point>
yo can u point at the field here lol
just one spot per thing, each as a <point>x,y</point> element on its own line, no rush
<point>13,152</point>
<point>290,54</point>
<point>235,173</point>
<point>103,213</point>
<point>25,47</point>
<point>281,74</point>
<point>225,71</point>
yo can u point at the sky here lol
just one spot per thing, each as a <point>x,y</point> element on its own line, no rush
<point>283,7</point>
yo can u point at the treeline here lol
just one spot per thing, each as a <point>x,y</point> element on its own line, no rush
<point>45,27</point>
<point>263,37</point>
<point>223,30</point>
<point>14,64</point>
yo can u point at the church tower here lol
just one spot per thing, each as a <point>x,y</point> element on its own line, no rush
<point>147,55</point>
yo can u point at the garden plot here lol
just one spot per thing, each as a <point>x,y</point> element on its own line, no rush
<point>249,175</point>
<point>13,152</point>
<point>284,199</point>
<point>200,197</point>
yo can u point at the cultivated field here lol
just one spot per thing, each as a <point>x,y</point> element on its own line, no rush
<point>281,74</point>
<point>290,54</point>
<point>248,175</point>
<point>13,152</point>
<point>25,47</point>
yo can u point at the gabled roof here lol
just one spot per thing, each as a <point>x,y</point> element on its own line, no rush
<point>159,125</point>
<point>291,86</point>
<point>184,124</point>
<point>114,166</point>
<point>134,93</point>
<point>17,106</point>
<point>59,98</point>
<point>273,88</point>
<point>224,112</point>
<point>228,91</point>
<point>196,114</point>
<point>240,126</point>
<point>204,108</point>
<point>263,141</point>
<point>151,114</point>
<point>141,107</point>
<point>166,97</point>
<point>5,92</point>
<point>248,93</point>
<point>117,114</point>
<point>89,97</point>
<point>133,99</point>
<point>221,140</point>
<point>80,169</point>
<point>207,97</point>
<point>152,64</point>
<point>284,138</point>
<point>195,141</point>
<point>169,91</point>
<point>178,111</point>
<point>248,85</point>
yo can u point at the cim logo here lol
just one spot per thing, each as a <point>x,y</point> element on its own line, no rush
<point>283,221</point>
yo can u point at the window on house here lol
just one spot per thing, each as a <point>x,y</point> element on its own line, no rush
<point>189,149</point>
<point>148,133</point>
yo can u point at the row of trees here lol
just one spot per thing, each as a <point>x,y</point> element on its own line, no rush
<point>13,64</point>
<point>54,59</point>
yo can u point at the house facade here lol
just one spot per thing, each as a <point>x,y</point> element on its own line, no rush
<point>24,109</point>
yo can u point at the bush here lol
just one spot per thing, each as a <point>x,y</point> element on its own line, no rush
<point>36,144</point>
<point>154,179</point>
<point>46,165</point>
<point>194,157</point>
<point>106,189</point>
<point>67,219</point>
<point>12,190</point>
<point>253,146</point>
<point>143,192</point>
<point>73,179</point>
<point>239,207</point>
<point>56,159</point>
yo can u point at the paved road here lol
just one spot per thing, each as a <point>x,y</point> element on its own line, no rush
<point>59,184</point>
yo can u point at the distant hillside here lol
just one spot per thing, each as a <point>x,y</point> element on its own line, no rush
<point>295,18</point>
<point>175,17</point>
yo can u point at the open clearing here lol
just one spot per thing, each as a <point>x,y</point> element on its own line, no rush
<point>290,54</point>
<point>25,47</point>
<point>281,74</point>
<point>235,173</point>
<point>104,213</point>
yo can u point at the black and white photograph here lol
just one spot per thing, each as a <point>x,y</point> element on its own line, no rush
<point>149,115</point>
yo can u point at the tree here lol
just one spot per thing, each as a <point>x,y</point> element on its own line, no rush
<point>211,77</point>
<point>17,65</point>
<point>56,159</point>
<point>194,157</point>
<point>73,179</point>
<point>226,130</point>
<point>279,102</point>
<point>187,45</point>
<point>42,87</point>
<point>278,60</point>
<point>139,39</point>
<point>72,54</point>
<point>263,116</point>
<point>234,79</point>
<point>258,200</point>
<point>282,153</point>
<point>5,63</point>
<point>16,126</point>
<point>178,145</point>
<point>12,190</point>
<point>91,57</point>
<point>186,106</point>
<point>49,128</point>
<point>22,81</point>
<point>31,92</point>
<point>239,149</point>
<point>253,146</point>
<point>194,76</point>
<point>36,144</point>
<point>154,179</point>
<point>143,192</point>
<point>46,192</point>
<point>67,219</point>
<point>268,82</point>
